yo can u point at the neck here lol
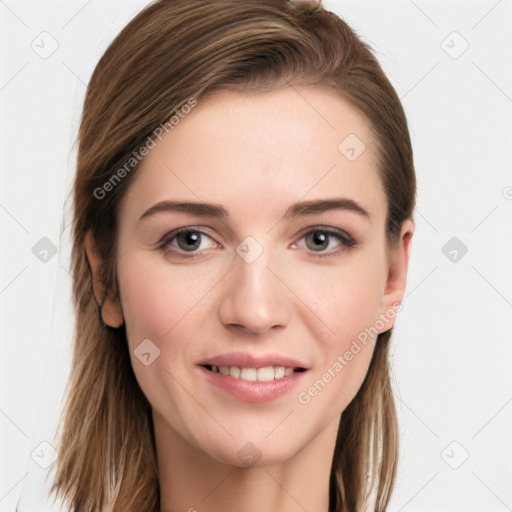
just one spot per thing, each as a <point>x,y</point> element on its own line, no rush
<point>192,481</point>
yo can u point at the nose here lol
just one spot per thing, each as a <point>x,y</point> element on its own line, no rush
<point>254,299</point>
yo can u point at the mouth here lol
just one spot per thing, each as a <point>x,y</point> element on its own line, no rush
<point>251,383</point>
<point>252,374</point>
<point>253,377</point>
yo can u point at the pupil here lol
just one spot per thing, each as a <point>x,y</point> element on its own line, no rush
<point>320,240</point>
<point>189,240</point>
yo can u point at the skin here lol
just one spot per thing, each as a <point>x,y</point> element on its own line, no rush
<point>255,155</point>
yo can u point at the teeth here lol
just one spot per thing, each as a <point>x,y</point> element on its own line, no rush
<point>264,374</point>
<point>249,374</point>
<point>234,371</point>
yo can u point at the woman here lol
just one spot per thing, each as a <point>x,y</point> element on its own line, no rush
<point>242,228</point>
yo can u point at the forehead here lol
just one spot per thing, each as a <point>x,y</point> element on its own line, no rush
<point>261,152</point>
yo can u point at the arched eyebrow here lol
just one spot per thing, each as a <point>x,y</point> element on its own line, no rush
<point>193,208</point>
<point>299,209</point>
<point>323,205</point>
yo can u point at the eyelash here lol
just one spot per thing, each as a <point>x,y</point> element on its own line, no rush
<point>347,241</point>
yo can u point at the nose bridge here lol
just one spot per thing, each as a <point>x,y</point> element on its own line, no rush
<point>254,298</point>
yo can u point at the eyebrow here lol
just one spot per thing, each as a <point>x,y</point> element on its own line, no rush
<point>323,205</point>
<point>198,209</point>
<point>296,210</point>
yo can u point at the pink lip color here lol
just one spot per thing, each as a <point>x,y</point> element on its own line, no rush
<point>246,360</point>
<point>248,391</point>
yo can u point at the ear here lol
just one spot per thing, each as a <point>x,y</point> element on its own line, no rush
<point>111,311</point>
<point>397,275</point>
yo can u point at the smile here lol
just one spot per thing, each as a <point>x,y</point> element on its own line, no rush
<point>264,374</point>
<point>251,384</point>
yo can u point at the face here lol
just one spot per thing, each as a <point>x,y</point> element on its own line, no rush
<point>282,275</point>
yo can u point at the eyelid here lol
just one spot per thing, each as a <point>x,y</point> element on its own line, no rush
<point>344,236</point>
<point>346,240</point>
<point>168,237</point>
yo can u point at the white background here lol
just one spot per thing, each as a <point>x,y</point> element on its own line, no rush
<point>453,339</point>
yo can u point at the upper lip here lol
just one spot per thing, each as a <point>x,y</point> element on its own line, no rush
<point>246,360</point>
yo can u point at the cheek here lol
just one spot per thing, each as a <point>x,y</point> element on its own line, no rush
<point>156,296</point>
<point>165,304</point>
<point>162,303</point>
<point>347,298</point>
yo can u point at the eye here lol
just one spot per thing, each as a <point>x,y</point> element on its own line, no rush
<point>187,240</point>
<point>326,240</point>
<point>318,240</point>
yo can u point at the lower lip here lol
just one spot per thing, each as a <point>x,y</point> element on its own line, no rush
<point>252,391</point>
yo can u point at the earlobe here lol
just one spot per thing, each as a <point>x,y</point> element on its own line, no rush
<point>110,307</point>
<point>397,275</point>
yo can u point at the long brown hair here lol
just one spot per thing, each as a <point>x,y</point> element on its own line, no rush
<point>172,52</point>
